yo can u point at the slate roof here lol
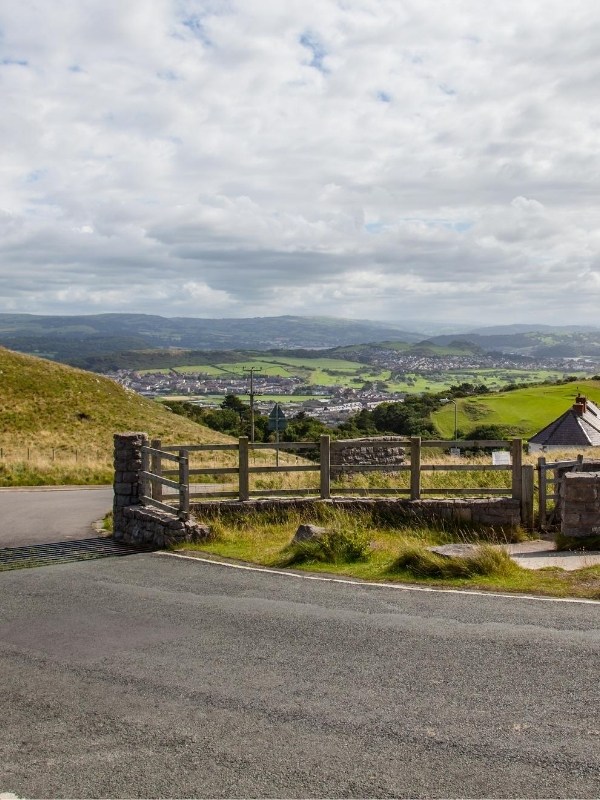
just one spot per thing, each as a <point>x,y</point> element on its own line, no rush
<point>572,428</point>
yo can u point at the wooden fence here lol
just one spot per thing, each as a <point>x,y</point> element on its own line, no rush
<point>156,477</point>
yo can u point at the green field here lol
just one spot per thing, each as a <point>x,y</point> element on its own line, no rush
<point>522,412</point>
<point>317,371</point>
<point>336,372</point>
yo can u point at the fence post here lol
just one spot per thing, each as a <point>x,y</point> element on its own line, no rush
<point>415,467</point>
<point>156,468</point>
<point>517,464</point>
<point>144,482</point>
<point>184,485</point>
<point>325,467</point>
<point>527,496</point>
<point>542,491</point>
<point>244,474</point>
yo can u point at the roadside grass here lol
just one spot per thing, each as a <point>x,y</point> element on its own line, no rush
<point>364,547</point>
<point>42,471</point>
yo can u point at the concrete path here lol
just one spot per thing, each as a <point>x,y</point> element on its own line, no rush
<point>542,553</point>
<point>40,515</point>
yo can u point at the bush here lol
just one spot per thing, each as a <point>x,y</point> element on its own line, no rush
<point>339,546</point>
<point>423,563</point>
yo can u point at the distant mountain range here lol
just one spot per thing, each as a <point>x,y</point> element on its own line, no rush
<point>569,342</point>
<point>72,339</point>
<point>65,338</point>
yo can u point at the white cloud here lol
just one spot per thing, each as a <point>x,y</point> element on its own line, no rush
<point>366,158</point>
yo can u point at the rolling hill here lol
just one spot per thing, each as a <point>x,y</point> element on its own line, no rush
<point>47,405</point>
<point>522,412</point>
<point>551,343</point>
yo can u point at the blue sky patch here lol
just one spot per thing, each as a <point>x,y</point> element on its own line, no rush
<point>374,227</point>
<point>18,62</point>
<point>316,48</point>
<point>384,97</point>
<point>196,26</point>
<point>443,87</point>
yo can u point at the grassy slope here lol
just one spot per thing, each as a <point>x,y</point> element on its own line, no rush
<point>522,412</point>
<point>45,404</point>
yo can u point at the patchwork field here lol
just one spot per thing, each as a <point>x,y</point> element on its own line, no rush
<point>332,372</point>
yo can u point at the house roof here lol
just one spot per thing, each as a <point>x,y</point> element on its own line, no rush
<point>580,425</point>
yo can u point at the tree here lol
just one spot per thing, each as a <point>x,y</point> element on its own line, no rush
<point>233,402</point>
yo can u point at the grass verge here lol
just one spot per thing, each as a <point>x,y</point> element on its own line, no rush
<point>366,548</point>
<point>43,473</point>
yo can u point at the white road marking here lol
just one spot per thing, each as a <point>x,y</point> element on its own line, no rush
<point>405,587</point>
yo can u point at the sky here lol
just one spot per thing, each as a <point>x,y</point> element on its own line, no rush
<point>393,160</point>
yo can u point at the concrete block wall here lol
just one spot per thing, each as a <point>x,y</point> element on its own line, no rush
<point>580,501</point>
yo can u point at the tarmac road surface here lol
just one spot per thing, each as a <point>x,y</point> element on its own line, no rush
<point>50,514</point>
<point>151,675</point>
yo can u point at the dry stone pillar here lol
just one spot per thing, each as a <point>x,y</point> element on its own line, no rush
<point>128,465</point>
<point>581,506</point>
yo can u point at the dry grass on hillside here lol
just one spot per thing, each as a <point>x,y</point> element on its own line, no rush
<point>46,406</point>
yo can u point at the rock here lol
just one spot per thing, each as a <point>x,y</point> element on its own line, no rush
<point>455,550</point>
<point>306,533</point>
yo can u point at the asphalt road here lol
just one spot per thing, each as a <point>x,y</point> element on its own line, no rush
<point>42,515</point>
<point>154,676</point>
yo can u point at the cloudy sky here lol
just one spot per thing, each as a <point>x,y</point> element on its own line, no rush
<point>434,160</point>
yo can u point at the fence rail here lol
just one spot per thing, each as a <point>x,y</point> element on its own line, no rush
<point>155,477</point>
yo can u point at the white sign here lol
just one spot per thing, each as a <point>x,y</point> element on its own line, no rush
<point>500,457</point>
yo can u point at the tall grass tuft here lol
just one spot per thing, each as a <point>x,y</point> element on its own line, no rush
<point>422,563</point>
<point>338,546</point>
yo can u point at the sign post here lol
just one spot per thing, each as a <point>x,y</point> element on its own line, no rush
<point>277,422</point>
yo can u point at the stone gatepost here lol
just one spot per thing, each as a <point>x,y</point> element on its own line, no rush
<point>580,498</point>
<point>135,523</point>
<point>128,465</point>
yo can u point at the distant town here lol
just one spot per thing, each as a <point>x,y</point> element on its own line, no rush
<point>334,403</point>
<point>330,404</point>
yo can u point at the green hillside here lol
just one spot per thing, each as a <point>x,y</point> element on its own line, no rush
<point>44,404</point>
<point>522,412</point>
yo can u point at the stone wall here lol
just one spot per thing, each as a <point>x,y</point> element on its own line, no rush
<point>585,466</point>
<point>497,512</point>
<point>133,522</point>
<point>580,497</point>
<point>347,453</point>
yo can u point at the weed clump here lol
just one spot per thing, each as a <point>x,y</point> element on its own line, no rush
<point>338,546</point>
<point>423,563</point>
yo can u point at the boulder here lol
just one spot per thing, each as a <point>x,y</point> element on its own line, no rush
<point>307,533</point>
<point>455,550</point>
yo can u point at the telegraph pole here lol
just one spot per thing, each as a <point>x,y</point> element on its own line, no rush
<point>252,370</point>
